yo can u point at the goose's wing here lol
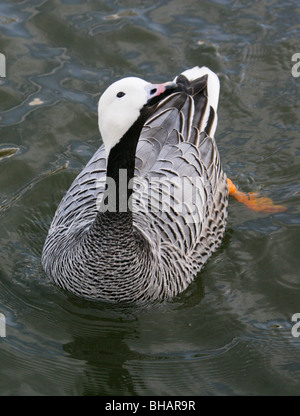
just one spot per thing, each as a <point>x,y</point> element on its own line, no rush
<point>78,208</point>
<point>178,152</point>
<point>188,115</point>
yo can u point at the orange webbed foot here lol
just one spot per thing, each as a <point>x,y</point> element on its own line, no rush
<point>253,201</point>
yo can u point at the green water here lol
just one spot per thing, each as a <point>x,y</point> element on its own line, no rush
<point>230,332</point>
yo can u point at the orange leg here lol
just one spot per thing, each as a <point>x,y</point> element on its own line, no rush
<point>253,201</point>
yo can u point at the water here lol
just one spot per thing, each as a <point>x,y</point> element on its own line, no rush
<point>230,332</point>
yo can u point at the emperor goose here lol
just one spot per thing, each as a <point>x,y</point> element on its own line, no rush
<point>150,207</point>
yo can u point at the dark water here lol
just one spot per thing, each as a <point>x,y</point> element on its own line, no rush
<point>230,332</point>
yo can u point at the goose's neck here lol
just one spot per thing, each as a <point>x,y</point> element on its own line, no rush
<point>120,167</point>
<point>112,230</point>
<point>116,223</point>
<point>121,164</point>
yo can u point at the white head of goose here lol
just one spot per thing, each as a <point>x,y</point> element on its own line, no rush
<point>155,133</point>
<point>125,102</point>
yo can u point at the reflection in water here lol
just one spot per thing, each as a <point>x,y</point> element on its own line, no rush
<point>105,358</point>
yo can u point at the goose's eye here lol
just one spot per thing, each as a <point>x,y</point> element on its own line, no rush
<point>120,94</point>
<point>153,91</point>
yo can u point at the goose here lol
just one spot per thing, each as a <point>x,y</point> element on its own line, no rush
<point>150,207</point>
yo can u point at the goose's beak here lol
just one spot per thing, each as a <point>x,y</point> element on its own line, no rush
<point>158,91</point>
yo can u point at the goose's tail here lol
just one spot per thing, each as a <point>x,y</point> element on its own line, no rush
<point>204,86</point>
